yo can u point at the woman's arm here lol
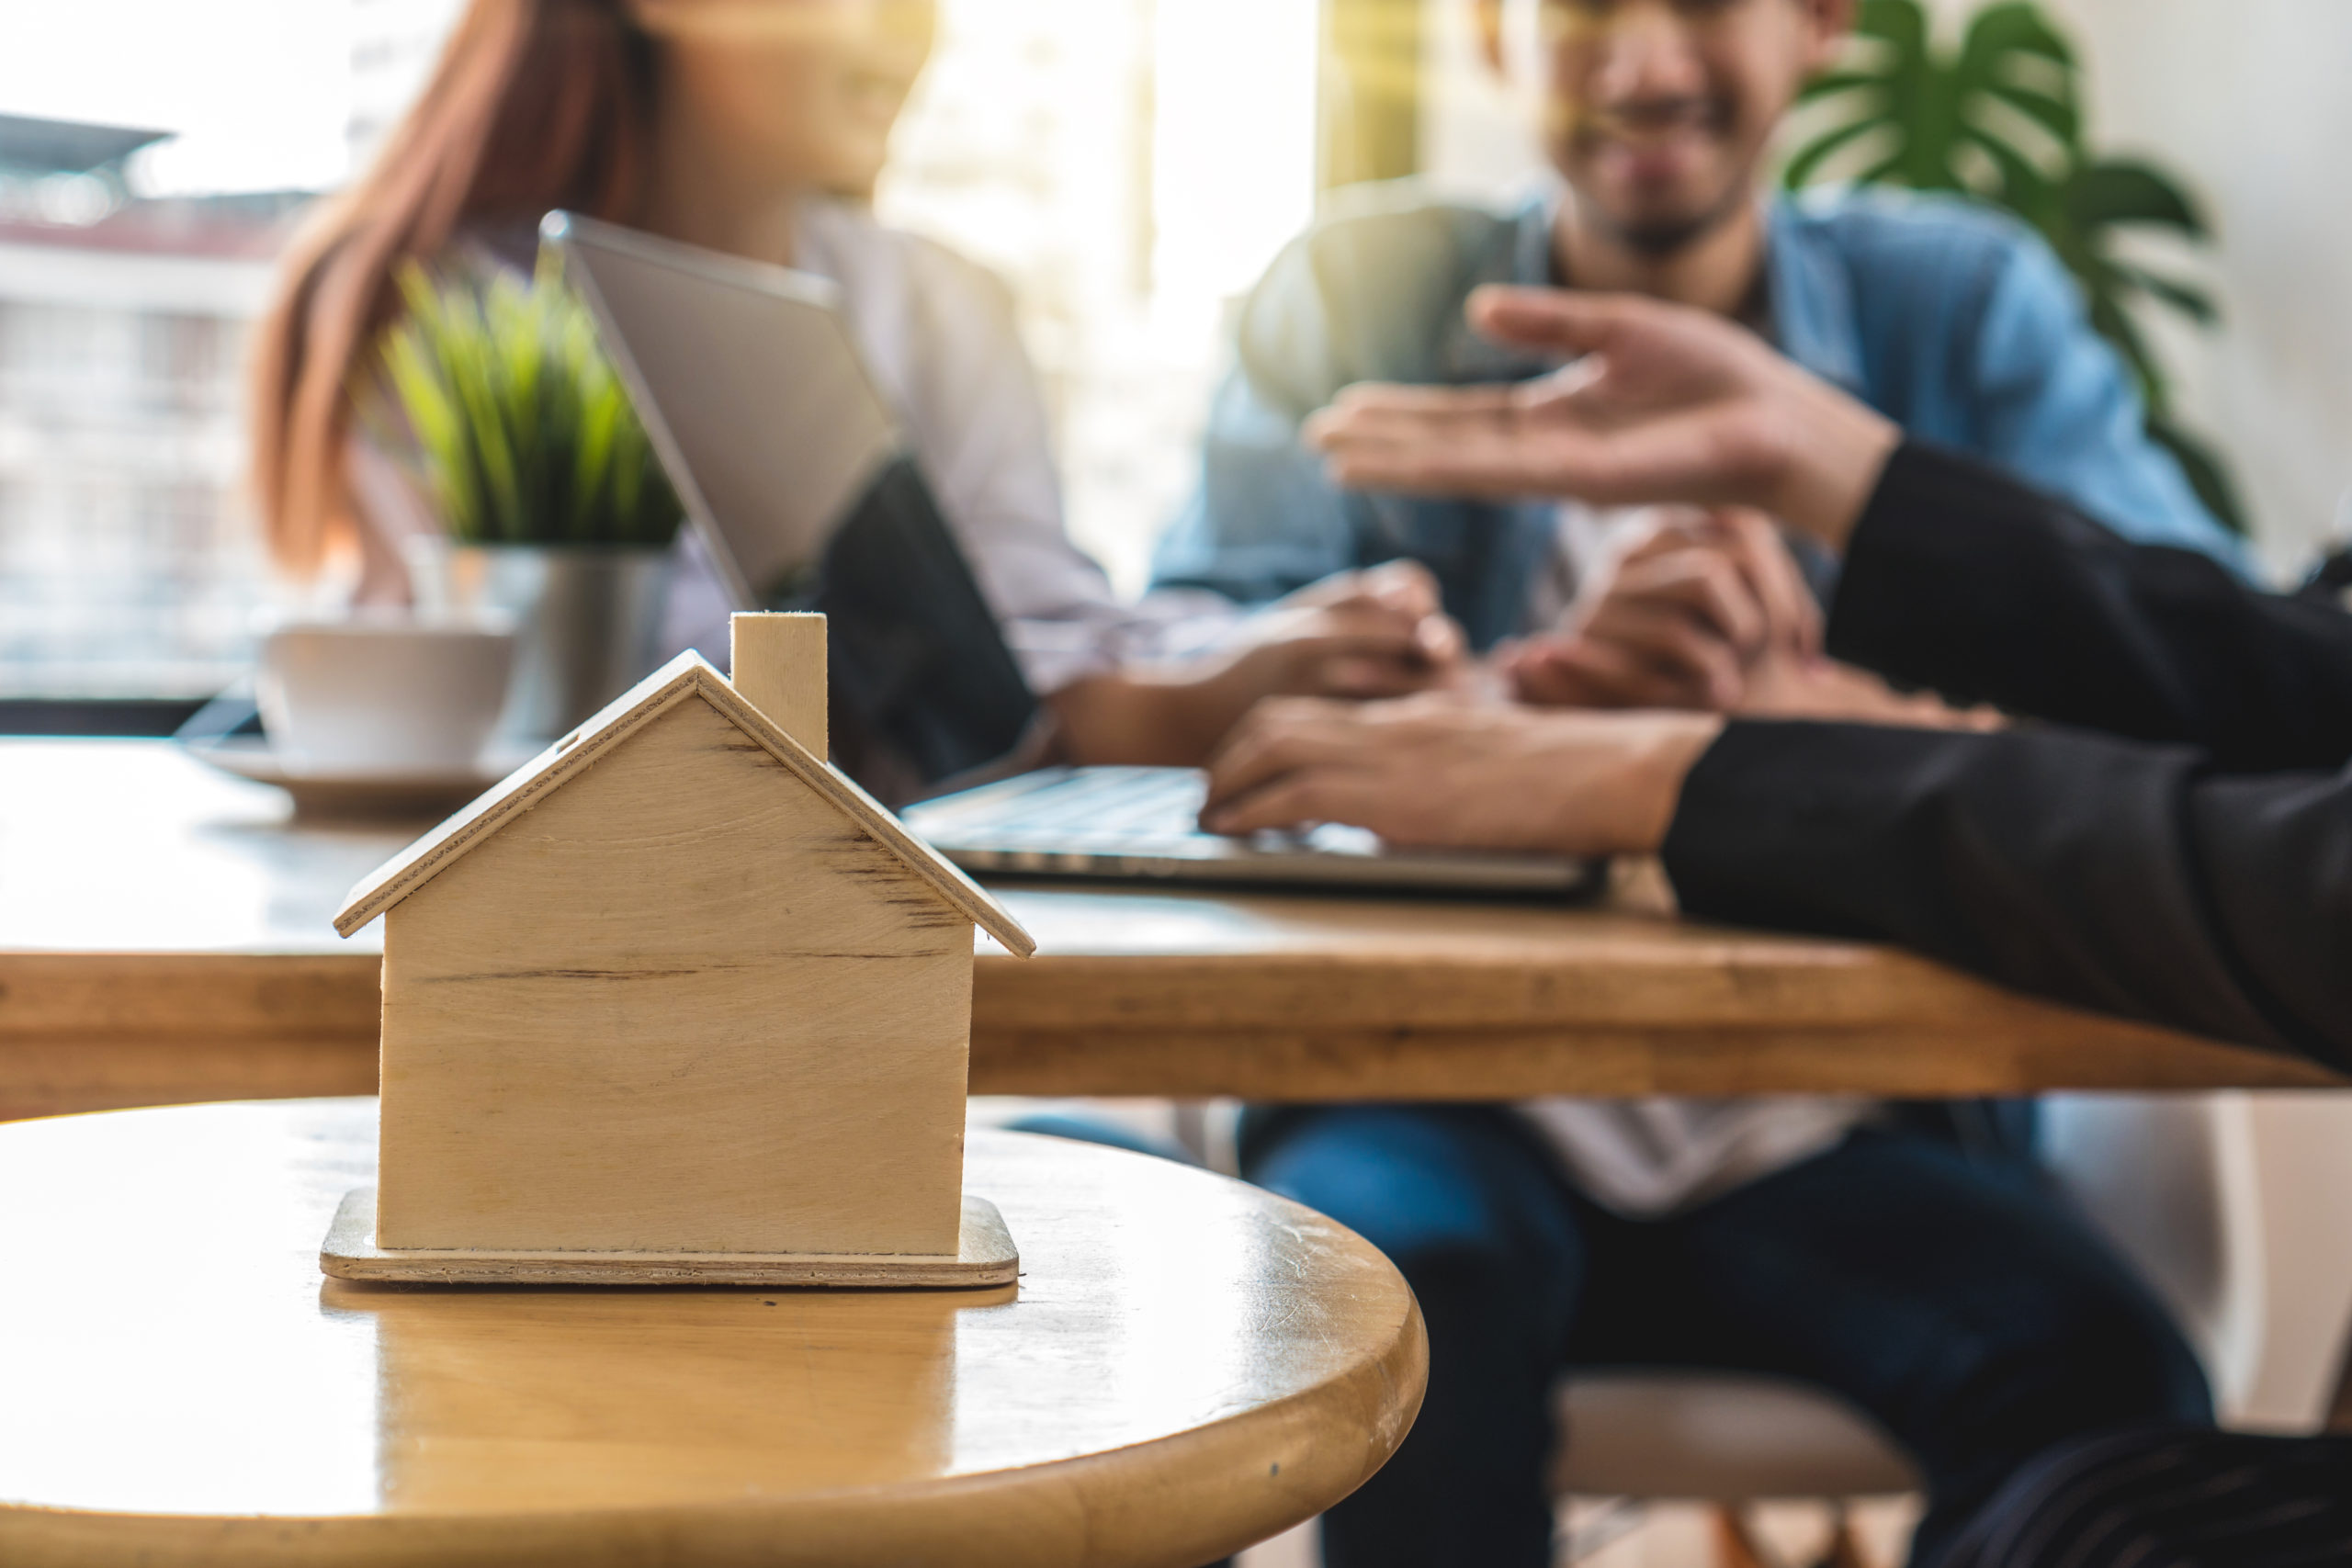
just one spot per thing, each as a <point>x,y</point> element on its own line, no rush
<point>1375,633</point>
<point>1154,682</point>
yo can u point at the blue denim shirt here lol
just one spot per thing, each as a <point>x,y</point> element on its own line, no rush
<point>1953,320</point>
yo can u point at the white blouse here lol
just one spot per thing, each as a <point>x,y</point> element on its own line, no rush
<point>938,336</point>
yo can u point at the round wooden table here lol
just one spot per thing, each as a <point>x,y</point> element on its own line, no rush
<point>1187,1365</point>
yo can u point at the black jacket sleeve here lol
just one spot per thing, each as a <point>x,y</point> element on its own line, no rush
<point>1960,580</point>
<point>2194,869</point>
<point>2111,873</point>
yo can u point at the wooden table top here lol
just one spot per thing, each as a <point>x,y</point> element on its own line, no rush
<point>164,935</point>
<point>1187,1365</point>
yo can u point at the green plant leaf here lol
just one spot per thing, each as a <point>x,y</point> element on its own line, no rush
<point>2113,323</point>
<point>2116,191</point>
<point>2059,116</point>
<point>1821,149</point>
<point>2009,101</point>
<point>515,420</point>
<point>2024,189</point>
<point>1829,83</point>
<point>2016,27</point>
<point>2206,473</point>
<point>1901,23</point>
<point>2186,298</point>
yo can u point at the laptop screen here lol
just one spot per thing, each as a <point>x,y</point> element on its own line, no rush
<point>798,476</point>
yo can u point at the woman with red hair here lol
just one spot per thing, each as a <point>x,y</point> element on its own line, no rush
<point>757,128</point>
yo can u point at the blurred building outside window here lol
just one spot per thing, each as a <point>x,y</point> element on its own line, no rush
<point>1128,166</point>
<point>126,567</point>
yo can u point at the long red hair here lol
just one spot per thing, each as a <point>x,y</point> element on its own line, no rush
<point>534,104</point>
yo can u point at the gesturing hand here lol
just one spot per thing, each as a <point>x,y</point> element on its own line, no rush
<point>1660,404</point>
<point>1437,770</point>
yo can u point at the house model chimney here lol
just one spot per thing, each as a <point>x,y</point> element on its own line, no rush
<point>777,662</point>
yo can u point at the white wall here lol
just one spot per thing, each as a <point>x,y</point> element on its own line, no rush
<point>2248,100</point>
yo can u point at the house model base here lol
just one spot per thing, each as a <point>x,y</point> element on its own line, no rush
<point>986,1256</point>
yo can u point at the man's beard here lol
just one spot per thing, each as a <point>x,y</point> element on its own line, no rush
<point>1655,239</point>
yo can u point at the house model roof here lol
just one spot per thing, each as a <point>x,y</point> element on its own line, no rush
<point>687,677</point>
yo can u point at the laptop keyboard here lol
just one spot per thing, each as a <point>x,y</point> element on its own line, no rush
<point>1116,811</point>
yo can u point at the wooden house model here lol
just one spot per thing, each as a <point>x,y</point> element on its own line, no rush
<point>678,1001</point>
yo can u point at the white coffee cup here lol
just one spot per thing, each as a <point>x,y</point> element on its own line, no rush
<point>382,696</point>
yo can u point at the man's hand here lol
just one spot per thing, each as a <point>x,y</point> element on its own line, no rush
<point>1677,619</point>
<point>1824,689</point>
<point>1660,404</point>
<point>1438,771</point>
<point>1708,611</point>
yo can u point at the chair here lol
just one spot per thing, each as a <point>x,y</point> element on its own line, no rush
<point>2252,1254</point>
<point>2227,1202</point>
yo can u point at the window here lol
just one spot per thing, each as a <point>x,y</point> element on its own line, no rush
<point>1126,165</point>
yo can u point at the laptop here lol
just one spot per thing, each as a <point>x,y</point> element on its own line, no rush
<point>800,483</point>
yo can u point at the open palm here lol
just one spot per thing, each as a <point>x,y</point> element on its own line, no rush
<point>1656,402</point>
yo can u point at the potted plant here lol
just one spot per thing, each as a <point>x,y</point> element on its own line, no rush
<point>2001,119</point>
<point>554,508</point>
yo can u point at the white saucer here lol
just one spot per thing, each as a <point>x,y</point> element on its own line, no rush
<point>376,792</point>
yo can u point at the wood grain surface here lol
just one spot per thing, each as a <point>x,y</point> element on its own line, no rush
<point>684,1004</point>
<point>986,1255</point>
<point>778,662</point>
<point>164,936</point>
<point>685,679</point>
<point>1186,1365</point>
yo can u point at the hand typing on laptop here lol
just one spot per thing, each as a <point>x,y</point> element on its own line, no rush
<point>1436,773</point>
<point>1374,633</point>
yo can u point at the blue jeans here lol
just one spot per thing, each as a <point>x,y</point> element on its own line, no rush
<point>1969,1312</point>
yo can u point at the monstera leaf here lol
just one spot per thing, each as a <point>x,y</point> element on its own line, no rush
<point>2100,201</point>
<point>2001,119</point>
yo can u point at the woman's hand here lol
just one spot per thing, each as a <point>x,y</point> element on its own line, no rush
<point>1437,770</point>
<point>1380,632</point>
<point>1677,619</point>
<point>1660,403</point>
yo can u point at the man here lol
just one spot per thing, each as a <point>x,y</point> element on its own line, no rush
<point>2186,857</point>
<point>1657,115</point>
<point>2190,862</point>
<point>1773,1234</point>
